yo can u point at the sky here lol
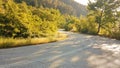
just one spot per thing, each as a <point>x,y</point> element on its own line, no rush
<point>84,2</point>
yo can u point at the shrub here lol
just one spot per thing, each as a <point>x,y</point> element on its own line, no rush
<point>20,20</point>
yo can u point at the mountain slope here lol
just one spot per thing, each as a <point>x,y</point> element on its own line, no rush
<point>65,6</point>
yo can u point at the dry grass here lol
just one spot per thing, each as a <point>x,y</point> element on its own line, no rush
<point>10,42</point>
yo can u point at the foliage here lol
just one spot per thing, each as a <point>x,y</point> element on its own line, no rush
<point>105,11</point>
<point>42,18</point>
<point>71,21</point>
<point>64,6</point>
<point>10,25</point>
<point>17,42</point>
<point>82,24</point>
<point>50,15</point>
<point>21,20</point>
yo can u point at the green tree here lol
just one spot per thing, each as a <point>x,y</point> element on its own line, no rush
<point>105,11</point>
<point>65,6</point>
<point>10,25</point>
<point>71,23</point>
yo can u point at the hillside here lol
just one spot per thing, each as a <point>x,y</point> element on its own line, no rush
<point>65,6</point>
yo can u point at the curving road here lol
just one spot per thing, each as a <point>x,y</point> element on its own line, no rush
<point>78,51</point>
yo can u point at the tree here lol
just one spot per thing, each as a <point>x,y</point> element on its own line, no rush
<point>105,11</point>
<point>10,24</point>
<point>65,6</point>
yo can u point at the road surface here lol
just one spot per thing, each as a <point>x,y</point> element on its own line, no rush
<point>77,51</point>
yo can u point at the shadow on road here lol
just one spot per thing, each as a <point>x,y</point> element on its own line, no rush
<point>78,51</point>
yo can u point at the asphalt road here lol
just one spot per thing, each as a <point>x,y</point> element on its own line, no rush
<point>78,51</point>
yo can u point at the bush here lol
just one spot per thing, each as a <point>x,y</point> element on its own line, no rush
<point>82,25</point>
<point>71,23</point>
<point>20,20</point>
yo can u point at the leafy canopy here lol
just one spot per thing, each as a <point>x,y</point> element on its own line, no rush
<point>105,11</point>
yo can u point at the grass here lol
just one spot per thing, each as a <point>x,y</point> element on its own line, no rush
<point>10,42</point>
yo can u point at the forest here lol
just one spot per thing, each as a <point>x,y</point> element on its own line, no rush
<point>26,19</point>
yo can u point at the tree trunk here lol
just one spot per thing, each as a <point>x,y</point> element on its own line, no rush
<point>98,28</point>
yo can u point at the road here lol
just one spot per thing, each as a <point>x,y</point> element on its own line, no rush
<point>77,51</point>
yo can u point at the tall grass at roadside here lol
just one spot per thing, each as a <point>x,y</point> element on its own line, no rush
<point>10,42</point>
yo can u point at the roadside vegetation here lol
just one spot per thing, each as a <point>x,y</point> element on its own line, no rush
<point>103,19</point>
<point>17,42</point>
<point>24,22</point>
<point>21,24</point>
